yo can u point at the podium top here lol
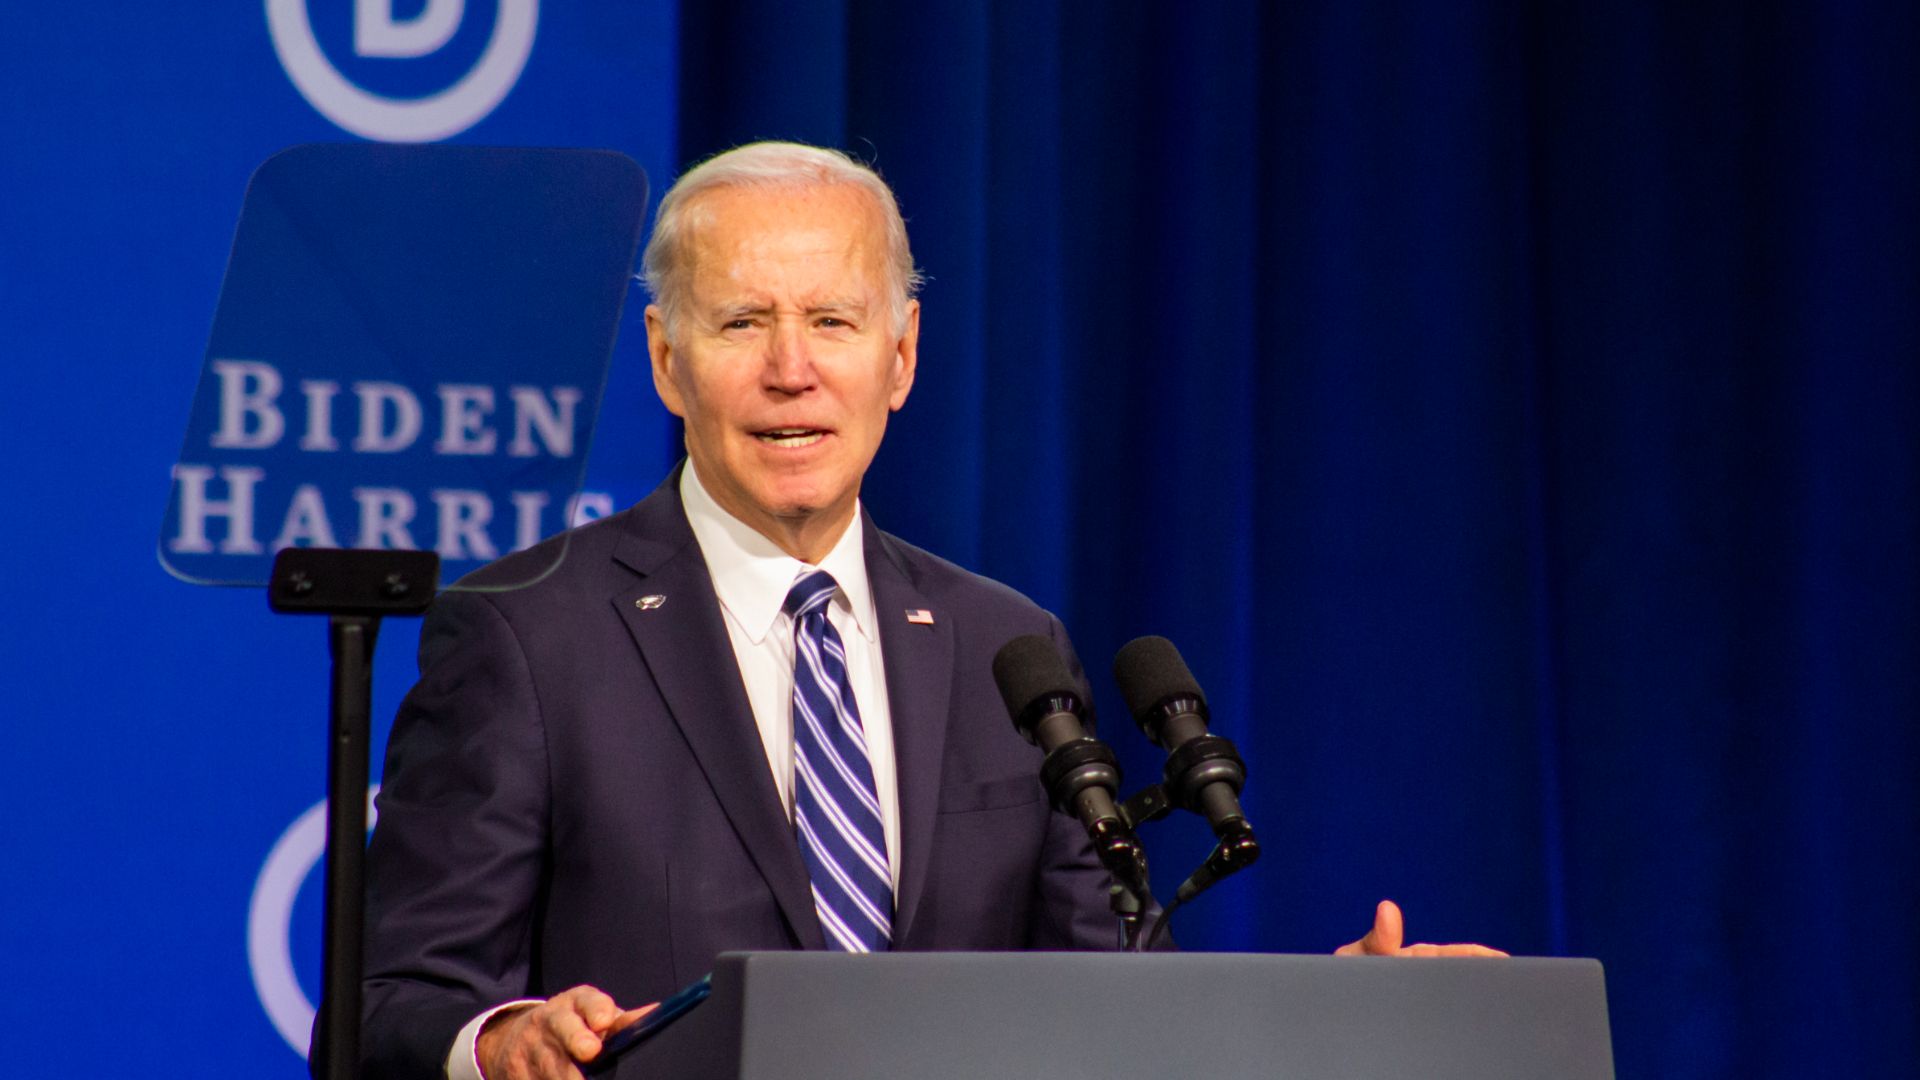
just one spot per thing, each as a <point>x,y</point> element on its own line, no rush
<point>943,1016</point>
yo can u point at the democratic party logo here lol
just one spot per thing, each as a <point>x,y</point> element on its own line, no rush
<point>376,33</point>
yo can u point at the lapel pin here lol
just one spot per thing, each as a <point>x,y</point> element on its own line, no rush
<point>920,616</point>
<point>648,603</point>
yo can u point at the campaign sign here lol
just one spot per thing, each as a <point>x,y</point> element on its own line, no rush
<point>408,352</point>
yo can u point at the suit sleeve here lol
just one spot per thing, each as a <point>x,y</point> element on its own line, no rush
<point>1071,893</point>
<point>454,868</point>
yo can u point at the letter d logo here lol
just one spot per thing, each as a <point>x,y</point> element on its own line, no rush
<point>377,33</point>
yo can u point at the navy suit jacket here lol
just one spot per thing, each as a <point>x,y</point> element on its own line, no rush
<point>576,791</point>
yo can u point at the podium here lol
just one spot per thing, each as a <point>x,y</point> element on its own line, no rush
<point>1068,1016</point>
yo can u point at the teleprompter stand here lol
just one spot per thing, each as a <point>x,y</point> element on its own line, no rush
<point>354,589</point>
<point>473,289</point>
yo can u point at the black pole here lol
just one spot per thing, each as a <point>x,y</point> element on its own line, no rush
<point>353,588</point>
<point>350,639</point>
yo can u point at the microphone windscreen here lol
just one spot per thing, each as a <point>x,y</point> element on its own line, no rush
<point>1150,671</point>
<point>1028,668</point>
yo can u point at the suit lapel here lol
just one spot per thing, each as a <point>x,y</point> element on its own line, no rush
<point>675,620</point>
<point>919,672</point>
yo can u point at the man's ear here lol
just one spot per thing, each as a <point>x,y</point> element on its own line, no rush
<point>660,352</point>
<point>906,358</point>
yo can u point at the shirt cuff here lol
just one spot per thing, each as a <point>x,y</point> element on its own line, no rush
<point>462,1061</point>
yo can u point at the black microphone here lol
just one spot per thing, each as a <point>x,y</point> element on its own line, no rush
<point>1204,772</point>
<point>1081,775</point>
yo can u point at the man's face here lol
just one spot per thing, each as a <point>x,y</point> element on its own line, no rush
<point>784,361</point>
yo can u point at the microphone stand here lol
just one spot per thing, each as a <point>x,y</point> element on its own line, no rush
<point>1148,804</point>
<point>354,588</point>
<point>1235,850</point>
<point>1126,860</point>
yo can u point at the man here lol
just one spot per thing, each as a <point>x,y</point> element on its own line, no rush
<point>737,716</point>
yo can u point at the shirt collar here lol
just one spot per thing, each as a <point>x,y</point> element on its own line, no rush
<point>752,576</point>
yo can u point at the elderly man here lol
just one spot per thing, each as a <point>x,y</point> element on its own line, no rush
<point>737,716</point>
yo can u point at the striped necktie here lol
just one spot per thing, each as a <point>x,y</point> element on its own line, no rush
<point>835,809</point>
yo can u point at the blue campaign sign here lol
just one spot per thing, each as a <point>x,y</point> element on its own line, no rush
<point>409,352</point>
<point>170,742</point>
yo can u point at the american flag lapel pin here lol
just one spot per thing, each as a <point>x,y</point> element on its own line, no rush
<point>920,616</point>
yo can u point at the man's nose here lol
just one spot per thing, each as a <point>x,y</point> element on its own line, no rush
<point>789,359</point>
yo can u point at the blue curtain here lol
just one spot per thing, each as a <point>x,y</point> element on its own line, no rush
<point>1512,414</point>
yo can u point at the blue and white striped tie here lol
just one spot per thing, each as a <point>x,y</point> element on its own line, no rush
<point>835,809</point>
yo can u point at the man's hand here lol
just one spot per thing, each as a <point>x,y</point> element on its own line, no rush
<point>542,1042</point>
<point>1389,930</point>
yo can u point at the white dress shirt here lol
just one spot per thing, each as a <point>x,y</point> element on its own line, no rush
<point>751,576</point>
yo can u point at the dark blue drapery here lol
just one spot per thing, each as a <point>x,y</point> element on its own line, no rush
<point>1510,413</point>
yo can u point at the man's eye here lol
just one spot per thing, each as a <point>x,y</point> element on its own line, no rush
<point>833,323</point>
<point>737,324</point>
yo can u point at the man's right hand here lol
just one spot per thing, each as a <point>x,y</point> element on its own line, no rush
<point>545,1041</point>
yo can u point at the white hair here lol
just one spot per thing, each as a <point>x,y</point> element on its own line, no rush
<point>770,166</point>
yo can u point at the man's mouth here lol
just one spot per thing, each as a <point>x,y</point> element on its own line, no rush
<point>790,436</point>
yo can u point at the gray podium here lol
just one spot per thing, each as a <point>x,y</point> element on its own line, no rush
<point>1081,1016</point>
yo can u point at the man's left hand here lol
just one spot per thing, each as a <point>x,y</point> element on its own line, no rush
<point>1389,930</point>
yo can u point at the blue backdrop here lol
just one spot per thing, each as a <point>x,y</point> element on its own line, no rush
<point>1512,414</point>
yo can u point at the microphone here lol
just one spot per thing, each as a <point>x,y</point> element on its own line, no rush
<point>1204,773</point>
<point>1081,775</point>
